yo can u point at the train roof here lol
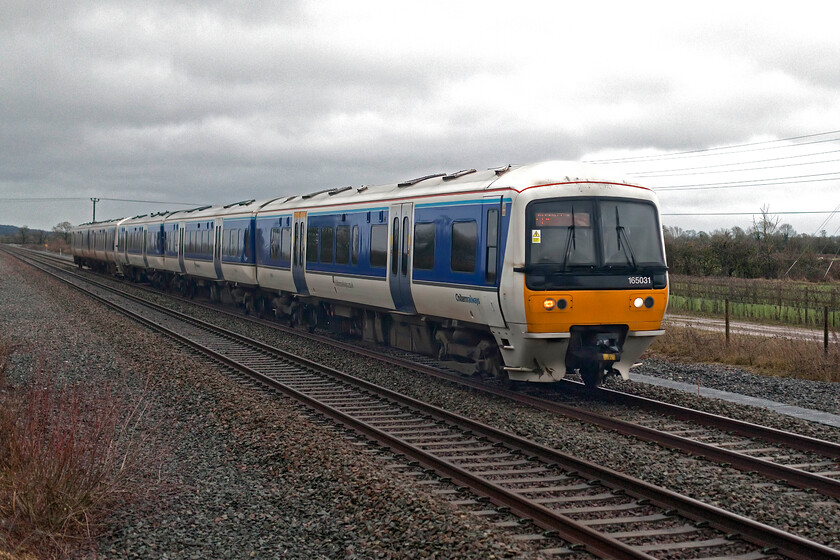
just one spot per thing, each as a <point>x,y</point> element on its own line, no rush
<point>510,177</point>
<point>517,178</point>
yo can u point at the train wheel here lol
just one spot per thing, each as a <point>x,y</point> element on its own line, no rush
<point>592,374</point>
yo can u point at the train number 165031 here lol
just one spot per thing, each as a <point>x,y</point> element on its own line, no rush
<point>637,280</point>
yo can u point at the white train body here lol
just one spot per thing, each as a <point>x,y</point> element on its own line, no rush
<point>525,272</point>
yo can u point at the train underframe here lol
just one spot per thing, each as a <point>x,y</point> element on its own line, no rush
<point>468,349</point>
<point>592,351</point>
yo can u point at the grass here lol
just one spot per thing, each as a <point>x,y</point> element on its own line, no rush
<point>65,456</point>
<point>760,312</point>
<point>778,301</point>
<point>774,356</point>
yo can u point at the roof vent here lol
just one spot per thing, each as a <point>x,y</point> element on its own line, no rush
<point>240,203</point>
<point>419,179</point>
<point>458,174</point>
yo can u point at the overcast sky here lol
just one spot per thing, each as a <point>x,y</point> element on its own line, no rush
<point>217,101</point>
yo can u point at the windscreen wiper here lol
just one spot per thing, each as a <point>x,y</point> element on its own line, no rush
<point>628,248</point>
<point>570,240</point>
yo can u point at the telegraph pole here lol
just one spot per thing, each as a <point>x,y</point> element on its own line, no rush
<point>94,200</point>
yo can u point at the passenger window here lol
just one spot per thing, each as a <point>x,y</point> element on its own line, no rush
<point>405,247</point>
<point>297,241</point>
<point>395,246</point>
<point>424,246</point>
<point>342,244</point>
<point>492,245</point>
<point>356,243</point>
<point>327,234</point>
<point>378,245</point>
<point>464,242</point>
<point>274,244</point>
<point>312,245</point>
<point>286,244</point>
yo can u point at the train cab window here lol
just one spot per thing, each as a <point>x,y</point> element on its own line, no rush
<point>424,246</point>
<point>561,233</point>
<point>342,245</point>
<point>464,244</point>
<point>286,244</point>
<point>312,245</point>
<point>492,245</point>
<point>326,253</point>
<point>356,244</point>
<point>378,245</point>
<point>630,234</point>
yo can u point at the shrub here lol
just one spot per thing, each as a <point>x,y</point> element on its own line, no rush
<point>776,356</point>
<point>65,452</point>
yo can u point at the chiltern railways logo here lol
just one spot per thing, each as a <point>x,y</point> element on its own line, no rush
<point>467,299</point>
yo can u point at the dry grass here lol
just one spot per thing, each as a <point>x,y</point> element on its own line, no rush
<point>65,453</point>
<point>775,356</point>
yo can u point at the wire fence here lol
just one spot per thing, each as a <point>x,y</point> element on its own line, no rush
<point>785,302</point>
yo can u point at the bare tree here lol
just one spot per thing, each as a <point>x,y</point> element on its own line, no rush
<point>39,236</point>
<point>63,229</point>
<point>23,235</point>
<point>764,231</point>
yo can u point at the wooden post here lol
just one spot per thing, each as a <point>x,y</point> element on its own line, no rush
<point>806,306</point>
<point>825,329</point>
<point>726,312</point>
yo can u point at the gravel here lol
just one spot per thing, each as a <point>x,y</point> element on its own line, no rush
<point>816,395</point>
<point>294,469</point>
<point>236,473</point>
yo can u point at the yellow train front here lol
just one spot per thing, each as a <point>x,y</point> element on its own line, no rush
<point>585,283</point>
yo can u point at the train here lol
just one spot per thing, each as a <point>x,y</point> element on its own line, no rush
<point>522,273</point>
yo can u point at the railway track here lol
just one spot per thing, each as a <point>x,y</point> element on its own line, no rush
<point>780,456</point>
<point>610,514</point>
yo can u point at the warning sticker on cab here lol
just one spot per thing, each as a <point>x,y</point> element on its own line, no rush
<point>535,236</point>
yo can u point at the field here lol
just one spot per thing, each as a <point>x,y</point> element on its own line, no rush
<point>761,301</point>
<point>777,301</point>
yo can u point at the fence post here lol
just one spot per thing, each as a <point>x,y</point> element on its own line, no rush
<point>726,313</point>
<point>825,329</point>
<point>806,305</point>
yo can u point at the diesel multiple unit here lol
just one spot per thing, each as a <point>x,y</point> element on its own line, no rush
<point>524,273</point>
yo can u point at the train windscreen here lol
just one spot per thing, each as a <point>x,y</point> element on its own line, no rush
<point>598,235</point>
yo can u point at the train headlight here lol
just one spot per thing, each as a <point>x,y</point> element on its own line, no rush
<point>640,302</point>
<point>549,304</point>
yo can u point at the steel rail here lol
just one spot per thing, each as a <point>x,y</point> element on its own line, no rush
<point>774,471</point>
<point>750,530</point>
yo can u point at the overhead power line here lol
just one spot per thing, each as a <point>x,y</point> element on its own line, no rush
<point>54,199</point>
<point>745,213</point>
<point>753,182</point>
<point>703,152</point>
<point>668,172</point>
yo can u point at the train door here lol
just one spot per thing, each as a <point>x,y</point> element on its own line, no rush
<point>146,234</point>
<point>401,226</point>
<point>494,211</point>
<point>217,250</point>
<point>180,231</point>
<point>299,253</point>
